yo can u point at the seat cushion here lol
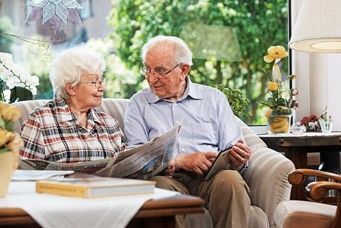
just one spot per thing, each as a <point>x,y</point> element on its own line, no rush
<point>295,213</point>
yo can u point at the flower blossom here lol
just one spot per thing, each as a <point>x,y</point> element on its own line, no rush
<point>275,53</point>
<point>15,76</point>
<point>272,86</point>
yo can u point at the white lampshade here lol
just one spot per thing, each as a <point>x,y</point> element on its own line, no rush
<point>318,27</point>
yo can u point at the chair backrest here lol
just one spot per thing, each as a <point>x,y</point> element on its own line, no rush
<point>113,106</point>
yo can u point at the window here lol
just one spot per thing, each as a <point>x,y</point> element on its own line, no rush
<point>230,38</point>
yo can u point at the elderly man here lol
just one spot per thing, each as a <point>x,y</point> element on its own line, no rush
<point>208,125</point>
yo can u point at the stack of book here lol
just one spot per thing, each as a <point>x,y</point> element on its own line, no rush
<point>94,187</point>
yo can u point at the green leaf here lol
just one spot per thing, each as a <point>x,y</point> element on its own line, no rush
<point>281,102</point>
<point>4,149</point>
<point>2,123</point>
<point>20,94</point>
<point>238,102</point>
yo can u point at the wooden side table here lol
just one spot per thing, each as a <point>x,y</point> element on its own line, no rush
<point>296,148</point>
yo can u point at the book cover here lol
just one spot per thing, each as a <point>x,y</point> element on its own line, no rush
<point>221,162</point>
<point>94,187</point>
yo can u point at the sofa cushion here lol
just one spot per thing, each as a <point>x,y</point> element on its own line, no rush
<point>26,108</point>
<point>114,107</point>
<point>295,213</point>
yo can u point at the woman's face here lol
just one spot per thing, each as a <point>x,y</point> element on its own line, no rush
<point>88,92</point>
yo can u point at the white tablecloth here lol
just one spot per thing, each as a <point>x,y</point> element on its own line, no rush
<point>57,211</point>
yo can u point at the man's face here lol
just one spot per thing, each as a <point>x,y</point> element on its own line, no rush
<point>165,76</point>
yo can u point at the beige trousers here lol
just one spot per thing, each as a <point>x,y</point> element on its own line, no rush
<point>226,195</point>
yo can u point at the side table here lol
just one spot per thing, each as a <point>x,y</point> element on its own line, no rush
<point>296,148</point>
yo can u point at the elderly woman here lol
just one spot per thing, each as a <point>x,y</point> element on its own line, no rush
<point>69,129</point>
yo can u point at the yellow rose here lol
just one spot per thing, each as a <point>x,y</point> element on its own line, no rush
<point>275,52</point>
<point>272,86</point>
<point>10,113</point>
<point>5,137</point>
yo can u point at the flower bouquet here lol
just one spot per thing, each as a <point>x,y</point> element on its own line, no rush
<point>280,98</point>
<point>10,144</point>
<point>310,123</point>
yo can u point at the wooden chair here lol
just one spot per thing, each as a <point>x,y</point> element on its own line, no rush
<point>295,213</point>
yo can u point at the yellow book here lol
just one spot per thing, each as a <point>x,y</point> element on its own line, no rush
<point>94,187</point>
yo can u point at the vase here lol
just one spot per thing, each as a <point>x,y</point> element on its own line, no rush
<point>326,126</point>
<point>279,124</point>
<point>8,164</point>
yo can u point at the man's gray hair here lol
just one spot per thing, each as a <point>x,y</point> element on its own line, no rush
<point>70,65</point>
<point>182,52</point>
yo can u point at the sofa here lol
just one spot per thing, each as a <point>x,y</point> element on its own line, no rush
<point>267,175</point>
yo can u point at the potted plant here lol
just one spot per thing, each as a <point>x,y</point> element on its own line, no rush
<point>280,97</point>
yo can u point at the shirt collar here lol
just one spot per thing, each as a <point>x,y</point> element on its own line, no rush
<point>190,91</point>
<point>93,115</point>
<point>65,113</point>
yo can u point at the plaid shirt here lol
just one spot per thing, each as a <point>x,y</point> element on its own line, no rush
<point>52,133</point>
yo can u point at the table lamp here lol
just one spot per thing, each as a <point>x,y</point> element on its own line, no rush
<point>318,27</point>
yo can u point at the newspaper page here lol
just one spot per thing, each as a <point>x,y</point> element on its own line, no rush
<point>84,167</point>
<point>141,162</point>
<point>146,160</point>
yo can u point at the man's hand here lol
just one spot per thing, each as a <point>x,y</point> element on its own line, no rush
<point>239,154</point>
<point>197,162</point>
<point>170,169</point>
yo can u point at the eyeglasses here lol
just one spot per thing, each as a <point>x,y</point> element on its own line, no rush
<point>161,71</point>
<point>95,84</point>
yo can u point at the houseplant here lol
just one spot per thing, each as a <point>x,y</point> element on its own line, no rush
<point>239,103</point>
<point>280,97</point>
<point>10,144</point>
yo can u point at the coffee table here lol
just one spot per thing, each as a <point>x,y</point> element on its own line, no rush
<point>154,213</point>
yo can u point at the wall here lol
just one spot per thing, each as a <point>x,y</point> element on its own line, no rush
<point>318,80</point>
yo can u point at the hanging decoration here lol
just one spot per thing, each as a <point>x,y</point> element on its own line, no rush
<point>54,12</point>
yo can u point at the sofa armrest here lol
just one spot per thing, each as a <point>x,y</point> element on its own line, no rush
<point>267,178</point>
<point>267,175</point>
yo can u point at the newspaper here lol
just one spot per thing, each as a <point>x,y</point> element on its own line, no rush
<point>141,162</point>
